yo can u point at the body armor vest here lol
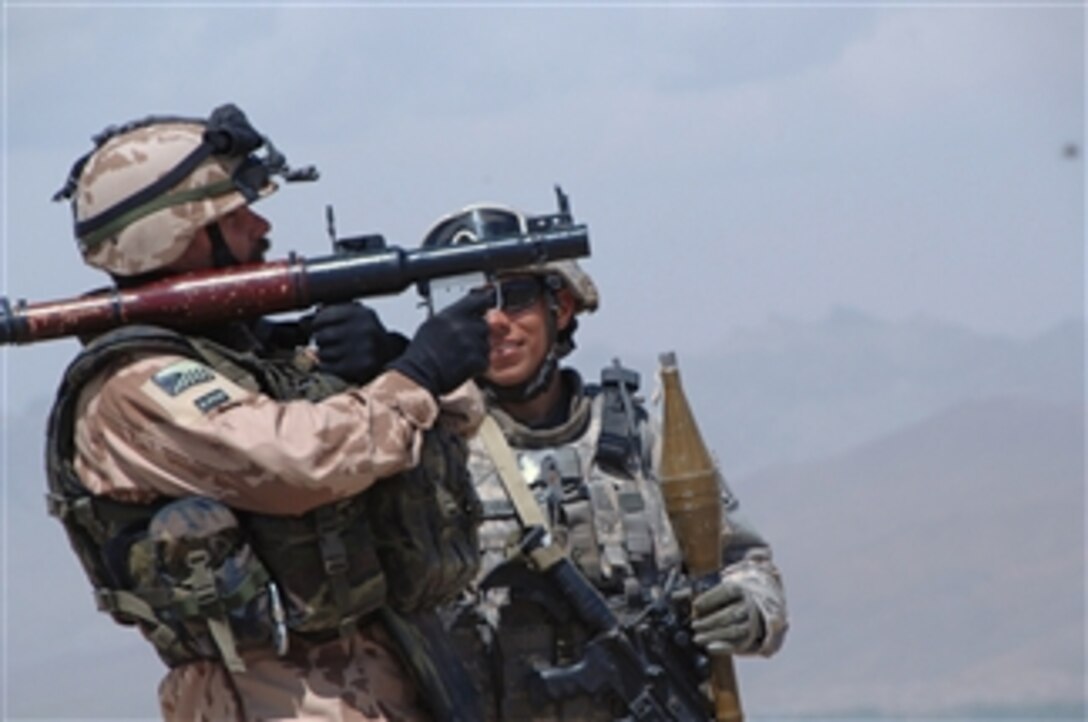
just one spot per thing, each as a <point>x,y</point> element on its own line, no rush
<point>593,482</point>
<point>408,543</point>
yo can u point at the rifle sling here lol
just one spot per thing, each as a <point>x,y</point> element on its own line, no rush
<point>526,508</point>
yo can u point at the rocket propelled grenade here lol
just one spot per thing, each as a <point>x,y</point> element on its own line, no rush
<point>689,484</point>
<point>689,479</point>
<point>193,299</point>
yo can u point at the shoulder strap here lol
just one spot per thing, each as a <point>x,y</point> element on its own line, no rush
<point>525,507</point>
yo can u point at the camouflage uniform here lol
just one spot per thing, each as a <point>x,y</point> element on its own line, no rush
<point>135,441</point>
<point>302,598</point>
<point>613,525</point>
<point>360,680</point>
<point>152,426</point>
<point>592,467</point>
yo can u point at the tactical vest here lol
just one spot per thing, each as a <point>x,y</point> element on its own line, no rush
<point>606,510</point>
<point>408,543</point>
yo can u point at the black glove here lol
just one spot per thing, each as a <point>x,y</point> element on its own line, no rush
<point>727,619</point>
<point>352,343</point>
<point>450,347</point>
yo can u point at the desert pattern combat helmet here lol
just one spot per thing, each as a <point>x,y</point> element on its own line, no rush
<point>140,197</point>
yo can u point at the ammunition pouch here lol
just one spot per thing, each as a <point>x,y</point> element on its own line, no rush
<point>201,581</point>
<point>316,574</point>
<point>240,590</point>
<point>326,563</point>
<point>424,523</point>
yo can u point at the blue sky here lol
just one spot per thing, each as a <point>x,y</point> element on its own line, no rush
<point>733,161</point>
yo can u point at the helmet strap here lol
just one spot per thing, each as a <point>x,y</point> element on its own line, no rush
<point>221,253</point>
<point>140,199</point>
<point>529,389</point>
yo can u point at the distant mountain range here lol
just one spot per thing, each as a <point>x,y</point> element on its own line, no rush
<point>792,391</point>
<point>936,570</point>
<point>922,485</point>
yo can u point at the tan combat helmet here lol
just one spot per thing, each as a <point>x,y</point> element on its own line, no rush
<point>139,198</point>
<point>485,221</point>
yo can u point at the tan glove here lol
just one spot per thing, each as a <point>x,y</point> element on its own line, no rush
<point>727,620</point>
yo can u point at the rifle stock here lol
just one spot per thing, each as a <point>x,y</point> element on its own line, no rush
<point>193,299</point>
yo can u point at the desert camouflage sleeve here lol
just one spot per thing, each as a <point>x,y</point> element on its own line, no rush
<point>746,556</point>
<point>748,561</point>
<point>168,425</point>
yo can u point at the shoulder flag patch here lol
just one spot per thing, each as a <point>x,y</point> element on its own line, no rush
<point>188,391</point>
<point>177,378</point>
<point>207,402</point>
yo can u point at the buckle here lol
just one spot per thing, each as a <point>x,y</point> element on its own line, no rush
<point>57,506</point>
<point>105,600</point>
<point>203,580</point>
<point>336,565</point>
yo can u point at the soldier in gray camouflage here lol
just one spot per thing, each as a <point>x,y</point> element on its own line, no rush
<point>603,504</point>
<point>279,534</point>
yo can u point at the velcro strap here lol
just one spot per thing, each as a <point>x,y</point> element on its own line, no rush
<point>116,601</point>
<point>202,582</point>
<point>638,536</point>
<point>224,642</point>
<point>583,539</point>
<point>187,604</point>
<point>201,578</point>
<point>80,508</point>
<point>334,558</point>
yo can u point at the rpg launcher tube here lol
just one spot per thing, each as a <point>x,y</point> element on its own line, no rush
<point>689,485</point>
<point>249,291</point>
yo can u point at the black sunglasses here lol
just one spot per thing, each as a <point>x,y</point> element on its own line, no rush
<point>518,294</point>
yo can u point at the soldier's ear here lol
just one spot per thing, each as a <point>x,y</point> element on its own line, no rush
<point>564,312</point>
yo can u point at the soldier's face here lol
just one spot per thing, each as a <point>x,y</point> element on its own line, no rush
<point>520,339</point>
<point>244,232</point>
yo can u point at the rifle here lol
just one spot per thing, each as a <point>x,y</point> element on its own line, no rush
<point>649,664</point>
<point>356,270</point>
<point>644,664</point>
